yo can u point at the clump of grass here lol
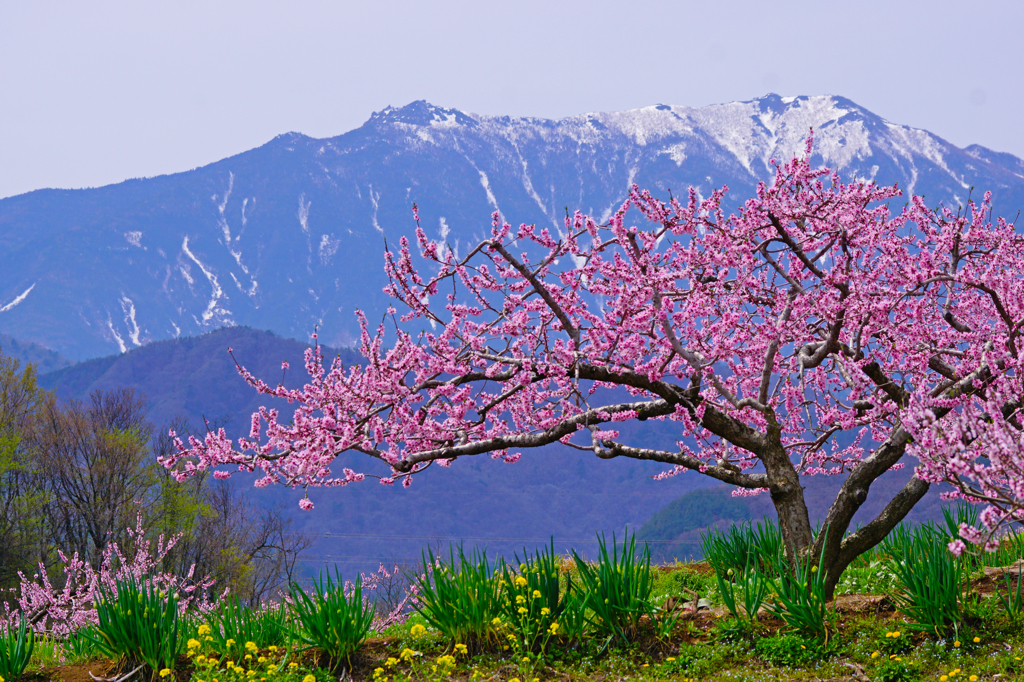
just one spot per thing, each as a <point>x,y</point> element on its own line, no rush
<point>16,644</point>
<point>617,590</point>
<point>460,599</point>
<point>137,626</point>
<point>335,620</point>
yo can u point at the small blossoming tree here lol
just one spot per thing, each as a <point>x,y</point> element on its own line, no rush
<point>61,611</point>
<point>792,338</point>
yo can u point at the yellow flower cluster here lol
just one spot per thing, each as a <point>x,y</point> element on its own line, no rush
<point>253,667</point>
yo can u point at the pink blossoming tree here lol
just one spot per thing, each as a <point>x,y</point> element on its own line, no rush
<point>794,337</point>
<point>60,611</point>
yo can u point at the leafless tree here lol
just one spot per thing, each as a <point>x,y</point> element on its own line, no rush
<point>93,462</point>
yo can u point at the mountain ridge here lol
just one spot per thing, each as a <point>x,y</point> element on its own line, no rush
<point>290,235</point>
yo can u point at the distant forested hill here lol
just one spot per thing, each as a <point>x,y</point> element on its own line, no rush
<point>44,359</point>
<point>195,376</point>
<point>674,531</point>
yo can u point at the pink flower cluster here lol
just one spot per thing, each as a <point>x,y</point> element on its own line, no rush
<point>813,310</point>
<point>60,611</point>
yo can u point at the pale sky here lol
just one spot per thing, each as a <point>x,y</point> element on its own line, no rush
<point>93,93</point>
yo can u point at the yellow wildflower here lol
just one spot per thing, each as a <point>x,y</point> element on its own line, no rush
<point>193,643</point>
<point>545,611</point>
<point>977,640</point>
<point>391,662</point>
<point>309,678</point>
<point>956,644</point>
<point>417,630</point>
<point>522,610</point>
<point>536,594</point>
<point>461,649</point>
<point>204,629</point>
<point>261,659</point>
<point>874,654</point>
<point>229,642</point>
<point>165,672</point>
<point>496,622</point>
<point>293,665</point>
<point>273,648</point>
<point>521,582</point>
<point>407,655</point>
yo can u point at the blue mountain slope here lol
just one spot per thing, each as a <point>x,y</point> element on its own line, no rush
<point>291,234</point>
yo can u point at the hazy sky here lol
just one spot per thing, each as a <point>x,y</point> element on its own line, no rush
<point>96,92</point>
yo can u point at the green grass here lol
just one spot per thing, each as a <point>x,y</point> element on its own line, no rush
<point>630,636</point>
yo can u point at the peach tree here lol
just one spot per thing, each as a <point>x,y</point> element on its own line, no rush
<point>812,331</point>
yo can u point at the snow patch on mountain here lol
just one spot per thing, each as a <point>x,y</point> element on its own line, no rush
<point>374,199</point>
<point>328,247</point>
<point>212,308</point>
<point>18,299</point>
<point>487,189</point>
<point>128,308</point>
<point>117,337</point>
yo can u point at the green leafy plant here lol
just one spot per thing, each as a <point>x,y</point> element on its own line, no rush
<point>787,649</point>
<point>15,648</point>
<point>137,625</point>
<point>617,590</point>
<point>236,623</point>
<point>752,586</point>
<point>332,618</point>
<point>734,629</point>
<point>80,645</point>
<point>460,599</point>
<point>1013,600</point>
<point>533,602</point>
<point>931,579</point>
<point>895,669</point>
<point>691,660</point>
<point>743,546</point>
<point>270,665</point>
<point>801,599</point>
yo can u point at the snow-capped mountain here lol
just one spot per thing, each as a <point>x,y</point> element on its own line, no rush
<point>291,234</point>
